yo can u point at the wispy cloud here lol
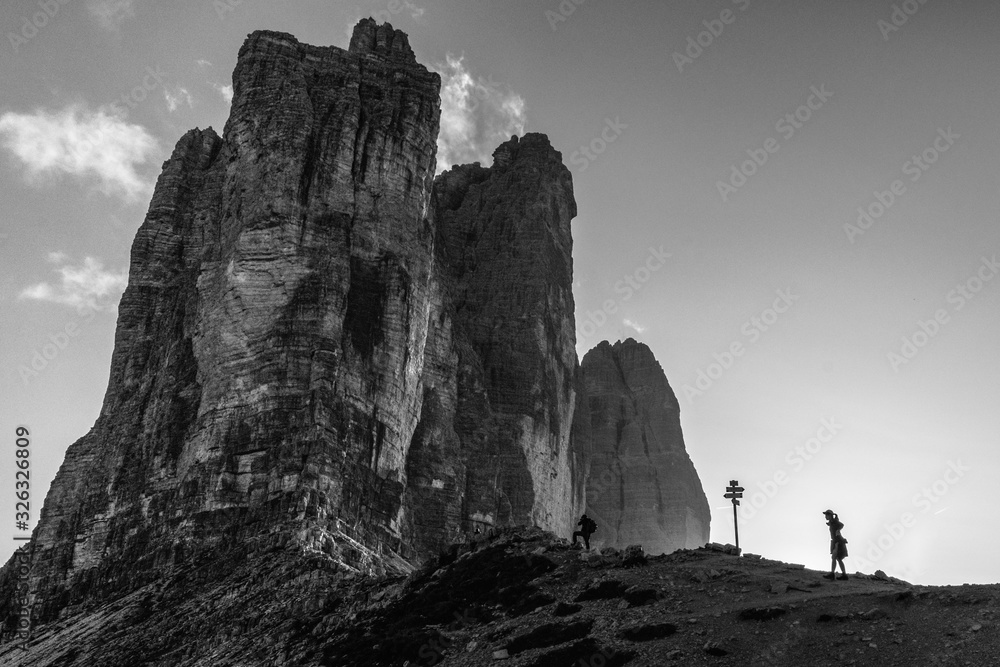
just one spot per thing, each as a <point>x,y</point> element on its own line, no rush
<point>635,326</point>
<point>177,97</point>
<point>83,286</point>
<point>111,14</point>
<point>476,116</point>
<point>415,11</point>
<point>83,144</point>
<point>225,91</point>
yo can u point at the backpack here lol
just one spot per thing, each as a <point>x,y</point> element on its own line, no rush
<point>591,525</point>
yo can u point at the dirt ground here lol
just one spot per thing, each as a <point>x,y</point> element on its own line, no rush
<point>696,607</point>
<point>522,598</point>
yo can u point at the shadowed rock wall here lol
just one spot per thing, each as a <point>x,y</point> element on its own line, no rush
<point>505,249</point>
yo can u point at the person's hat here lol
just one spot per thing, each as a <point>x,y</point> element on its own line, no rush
<point>829,512</point>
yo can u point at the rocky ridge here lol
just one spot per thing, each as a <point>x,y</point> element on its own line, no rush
<point>524,598</point>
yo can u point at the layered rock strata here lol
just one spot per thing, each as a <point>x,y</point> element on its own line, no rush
<point>641,485</point>
<point>493,443</point>
<point>318,345</point>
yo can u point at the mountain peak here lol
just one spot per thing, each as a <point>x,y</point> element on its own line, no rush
<point>383,40</point>
<point>642,484</point>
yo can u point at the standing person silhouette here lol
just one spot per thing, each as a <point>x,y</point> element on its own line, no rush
<point>587,528</point>
<point>838,545</point>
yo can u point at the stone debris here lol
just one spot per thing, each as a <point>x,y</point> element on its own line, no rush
<point>649,631</point>
<point>480,608</point>
<point>723,548</point>
<point>762,613</point>
<point>637,596</point>
<point>566,609</point>
<point>549,634</point>
<point>603,590</point>
<point>634,556</point>
<point>872,614</point>
<point>714,648</point>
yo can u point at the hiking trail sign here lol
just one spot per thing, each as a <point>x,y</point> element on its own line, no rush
<point>734,492</point>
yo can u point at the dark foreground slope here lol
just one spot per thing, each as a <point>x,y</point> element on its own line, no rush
<point>519,599</point>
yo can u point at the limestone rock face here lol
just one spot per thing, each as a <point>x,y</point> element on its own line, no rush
<point>501,453</point>
<point>319,347</point>
<point>641,485</point>
<point>325,353</point>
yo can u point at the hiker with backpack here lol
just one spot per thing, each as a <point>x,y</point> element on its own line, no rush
<point>587,528</point>
<point>838,545</point>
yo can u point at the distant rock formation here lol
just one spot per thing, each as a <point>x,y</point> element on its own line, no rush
<point>641,485</point>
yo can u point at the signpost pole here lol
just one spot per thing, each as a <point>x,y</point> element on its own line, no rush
<point>734,491</point>
<point>736,526</point>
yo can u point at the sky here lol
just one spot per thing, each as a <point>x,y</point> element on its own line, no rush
<point>792,203</point>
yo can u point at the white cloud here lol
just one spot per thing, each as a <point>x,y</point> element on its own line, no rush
<point>225,91</point>
<point>638,328</point>
<point>110,14</point>
<point>476,116</point>
<point>175,99</point>
<point>84,286</point>
<point>81,143</point>
<point>201,62</point>
<point>415,12</point>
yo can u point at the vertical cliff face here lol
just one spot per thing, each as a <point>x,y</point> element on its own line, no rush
<point>325,348</point>
<point>501,453</point>
<point>268,354</point>
<point>320,345</point>
<point>641,486</point>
